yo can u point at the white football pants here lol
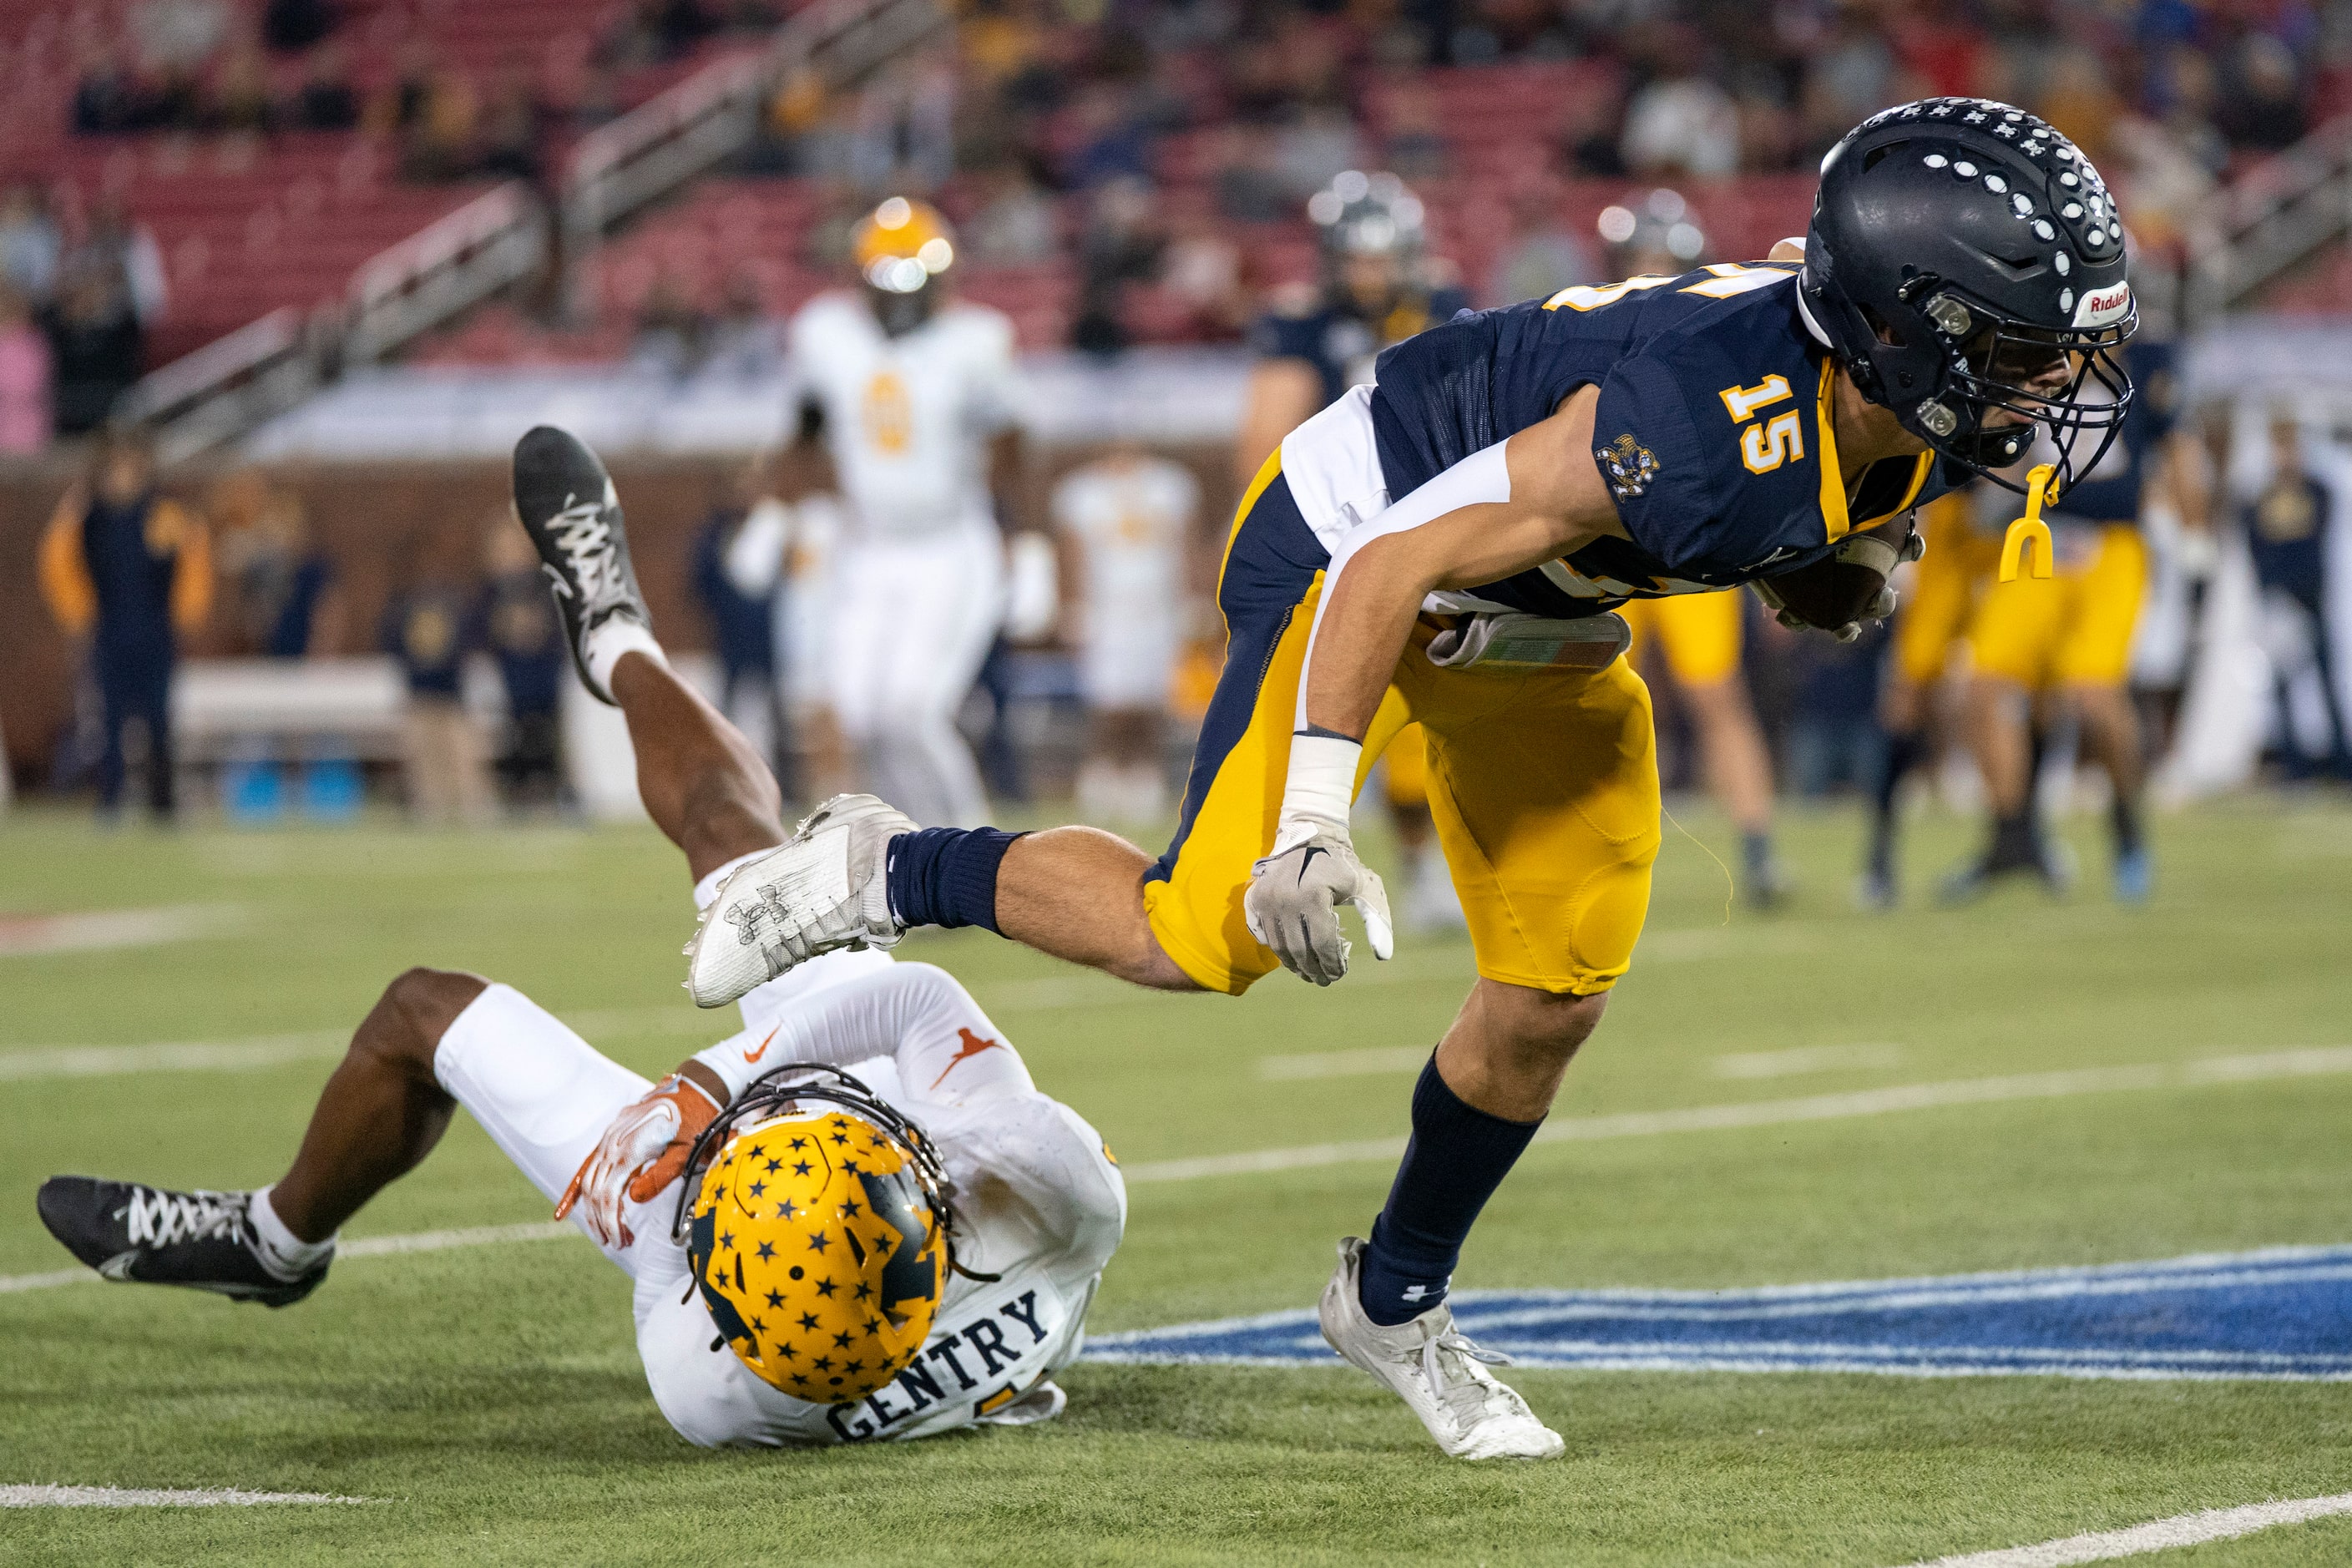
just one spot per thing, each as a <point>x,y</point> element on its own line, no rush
<point>911,621</point>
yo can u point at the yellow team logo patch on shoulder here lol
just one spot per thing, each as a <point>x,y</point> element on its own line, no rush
<point>1628,466</point>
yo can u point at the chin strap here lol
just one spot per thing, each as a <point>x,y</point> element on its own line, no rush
<point>2030,530</point>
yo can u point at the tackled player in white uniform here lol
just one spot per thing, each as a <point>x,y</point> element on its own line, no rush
<point>819,1256</point>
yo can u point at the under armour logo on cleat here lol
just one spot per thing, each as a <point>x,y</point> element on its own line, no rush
<point>1419,1292</point>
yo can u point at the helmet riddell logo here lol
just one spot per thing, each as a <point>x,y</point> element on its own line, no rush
<point>2098,310</point>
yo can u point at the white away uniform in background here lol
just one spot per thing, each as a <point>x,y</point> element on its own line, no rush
<point>918,588</point>
<point>1130,520</point>
<point>1038,1197</point>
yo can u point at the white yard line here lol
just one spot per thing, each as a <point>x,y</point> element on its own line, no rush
<point>2157,1535</point>
<point>171,1056</point>
<point>96,931</point>
<point>2197,1072</point>
<point>128,1497</point>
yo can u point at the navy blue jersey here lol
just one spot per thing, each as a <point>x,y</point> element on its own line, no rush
<point>1713,429</point>
<point>1341,344</point>
<point>2286,531</point>
<point>2111,492</point>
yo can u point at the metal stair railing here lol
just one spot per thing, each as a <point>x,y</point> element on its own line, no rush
<point>2275,215</point>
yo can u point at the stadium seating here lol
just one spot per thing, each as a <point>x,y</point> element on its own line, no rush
<point>247,224</point>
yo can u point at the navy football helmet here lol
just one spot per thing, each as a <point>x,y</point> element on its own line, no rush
<point>1965,263</point>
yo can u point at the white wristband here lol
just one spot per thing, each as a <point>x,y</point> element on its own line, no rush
<point>725,1062</point>
<point>1321,785</point>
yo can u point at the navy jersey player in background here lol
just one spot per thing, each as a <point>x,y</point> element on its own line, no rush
<point>1379,287</point>
<point>1446,547</point>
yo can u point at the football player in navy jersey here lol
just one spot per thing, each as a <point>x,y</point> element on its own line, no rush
<point>1446,547</point>
<point>1379,288</point>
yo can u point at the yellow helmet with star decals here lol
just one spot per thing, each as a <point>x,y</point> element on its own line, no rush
<point>900,245</point>
<point>821,1236</point>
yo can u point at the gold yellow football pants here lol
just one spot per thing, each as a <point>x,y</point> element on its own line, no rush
<point>1543,783</point>
<point>2073,628</point>
<point>1951,578</point>
<point>1699,632</point>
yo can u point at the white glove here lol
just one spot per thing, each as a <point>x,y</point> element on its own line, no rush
<point>1294,899</point>
<point>644,1151</point>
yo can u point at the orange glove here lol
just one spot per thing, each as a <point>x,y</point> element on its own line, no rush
<point>644,1151</point>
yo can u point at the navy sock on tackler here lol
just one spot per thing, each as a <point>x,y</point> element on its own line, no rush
<point>946,876</point>
<point>1457,1157</point>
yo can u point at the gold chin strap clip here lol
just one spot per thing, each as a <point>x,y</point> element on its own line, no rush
<point>2041,490</point>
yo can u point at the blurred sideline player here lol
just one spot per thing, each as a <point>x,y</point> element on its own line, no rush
<point>2066,641</point>
<point>1378,290</point>
<point>1700,633</point>
<point>2288,525</point>
<point>1126,518</point>
<point>891,1256</point>
<point>915,398</point>
<point>1937,608</point>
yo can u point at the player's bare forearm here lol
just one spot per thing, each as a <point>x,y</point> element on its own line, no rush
<point>1558,504</point>
<point>1008,481</point>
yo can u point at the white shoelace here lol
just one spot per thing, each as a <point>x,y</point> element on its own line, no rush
<point>587,541</point>
<point>160,1218</point>
<point>1464,1392</point>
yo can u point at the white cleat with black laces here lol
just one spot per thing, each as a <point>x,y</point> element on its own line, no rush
<point>151,1235</point>
<point>567,504</point>
<point>824,889</point>
<point>1438,1372</point>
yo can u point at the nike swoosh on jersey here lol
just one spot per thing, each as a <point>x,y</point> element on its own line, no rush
<point>755,1056</point>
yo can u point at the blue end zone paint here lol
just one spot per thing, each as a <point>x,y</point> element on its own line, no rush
<point>2282,1313</point>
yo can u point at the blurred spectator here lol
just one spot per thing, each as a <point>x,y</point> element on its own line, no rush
<point>438,141</point>
<point>1313,148</point>
<point>671,333</point>
<point>2261,103</point>
<point>518,624</point>
<point>239,99</point>
<point>511,126</point>
<point>132,568</point>
<point>1016,224</point>
<point>1682,123</point>
<point>2077,99</point>
<point>283,602</point>
<point>23,379</point>
<point>175,37</point>
<point>1414,138</point>
<point>106,100</point>
<point>1203,271</point>
<point>1248,183</point>
<point>288,26</point>
<point>429,627</point>
<point>745,343</point>
<point>903,138</point>
<point>654,31</point>
<point>30,244</point>
<point>1544,254</point>
<point>326,101</point>
<point>1109,141</point>
<point>114,242</point>
<point>94,343</point>
<point>1121,244</point>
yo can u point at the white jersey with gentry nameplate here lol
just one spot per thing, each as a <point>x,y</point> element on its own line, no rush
<point>907,419</point>
<point>1038,1199</point>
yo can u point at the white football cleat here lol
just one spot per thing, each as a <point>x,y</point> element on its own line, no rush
<point>822,889</point>
<point>1440,1374</point>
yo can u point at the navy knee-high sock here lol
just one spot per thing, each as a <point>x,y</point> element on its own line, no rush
<point>1457,1157</point>
<point>946,876</point>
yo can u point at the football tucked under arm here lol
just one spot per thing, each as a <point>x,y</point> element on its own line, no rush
<point>1846,589</point>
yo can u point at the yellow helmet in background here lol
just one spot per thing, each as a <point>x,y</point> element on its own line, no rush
<point>901,246</point>
<point>820,1237</point>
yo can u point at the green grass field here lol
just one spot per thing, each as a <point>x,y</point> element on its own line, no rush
<point>488,1400</point>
